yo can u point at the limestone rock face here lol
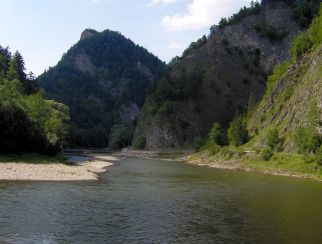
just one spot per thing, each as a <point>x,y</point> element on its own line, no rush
<point>222,74</point>
<point>83,63</point>
<point>88,33</point>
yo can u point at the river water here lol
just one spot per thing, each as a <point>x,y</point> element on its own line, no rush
<point>153,201</point>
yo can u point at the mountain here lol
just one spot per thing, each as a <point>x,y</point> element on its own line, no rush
<point>104,80</point>
<point>217,76</point>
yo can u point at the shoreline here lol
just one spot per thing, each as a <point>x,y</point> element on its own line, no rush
<point>239,165</point>
<point>78,170</point>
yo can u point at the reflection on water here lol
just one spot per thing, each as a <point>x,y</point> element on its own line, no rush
<point>153,201</point>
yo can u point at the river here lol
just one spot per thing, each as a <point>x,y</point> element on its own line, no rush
<point>154,201</point>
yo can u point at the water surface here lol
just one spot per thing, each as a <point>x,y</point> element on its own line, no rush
<point>153,201</point>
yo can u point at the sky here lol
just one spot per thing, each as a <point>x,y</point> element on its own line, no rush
<point>43,30</point>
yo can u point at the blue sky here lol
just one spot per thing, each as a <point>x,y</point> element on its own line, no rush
<point>42,30</point>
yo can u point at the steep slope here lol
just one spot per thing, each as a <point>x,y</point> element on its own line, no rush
<point>288,106</point>
<point>104,80</point>
<point>284,130</point>
<point>216,76</point>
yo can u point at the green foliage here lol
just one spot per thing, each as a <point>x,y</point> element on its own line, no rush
<point>29,122</point>
<point>308,139</point>
<point>278,72</point>
<point>121,137</point>
<point>267,154</point>
<point>237,131</point>
<point>313,37</point>
<point>274,141</point>
<point>217,135</point>
<point>318,155</point>
<point>139,143</point>
<point>301,44</point>
<point>315,30</point>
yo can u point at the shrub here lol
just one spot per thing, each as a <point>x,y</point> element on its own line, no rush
<point>217,135</point>
<point>237,132</point>
<point>198,143</point>
<point>121,137</point>
<point>318,156</point>
<point>139,143</point>
<point>301,44</point>
<point>267,154</point>
<point>274,141</point>
<point>308,139</point>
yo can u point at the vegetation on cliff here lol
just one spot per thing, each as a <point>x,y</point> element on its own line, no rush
<point>214,79</point>
<point>285,127</point>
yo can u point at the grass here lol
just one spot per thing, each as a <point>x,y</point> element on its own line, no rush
<point>287,163</point>
<point>291,164</point>
<point>32,159</point>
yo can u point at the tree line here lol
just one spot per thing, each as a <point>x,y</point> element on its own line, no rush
<point>28,122</point>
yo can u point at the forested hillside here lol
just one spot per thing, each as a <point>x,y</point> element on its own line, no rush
<point>221,75</point>
<point>28,122</point>
<point>104,80</point>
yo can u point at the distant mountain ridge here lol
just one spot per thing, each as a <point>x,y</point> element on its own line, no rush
<point>104,80</point>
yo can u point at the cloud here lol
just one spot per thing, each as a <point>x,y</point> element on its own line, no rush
<point>202,13</point>
<point>155,2</point>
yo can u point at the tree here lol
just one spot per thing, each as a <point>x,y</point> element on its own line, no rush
<point>13,72</point>
<point>216,135</point>
<point>274,141</point>
<point>237,132</point>
<point>17,57</point>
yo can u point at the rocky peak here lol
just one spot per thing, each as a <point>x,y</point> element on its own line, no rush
<point>88,33</point>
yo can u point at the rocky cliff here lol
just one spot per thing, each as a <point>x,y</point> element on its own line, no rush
<point>216,76</point>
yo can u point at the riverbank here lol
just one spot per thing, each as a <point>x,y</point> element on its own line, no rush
<point>281,164</point>
<point>43,169</point>
<point>169,154</point>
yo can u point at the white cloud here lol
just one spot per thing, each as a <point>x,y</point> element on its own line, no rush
<point>202,13</point>
<point>155,2</point>
<point>175,45</point>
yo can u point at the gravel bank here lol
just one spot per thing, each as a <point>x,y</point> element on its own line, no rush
<point>82,170</point>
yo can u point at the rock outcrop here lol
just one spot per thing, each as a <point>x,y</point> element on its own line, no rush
<point>214,81</point>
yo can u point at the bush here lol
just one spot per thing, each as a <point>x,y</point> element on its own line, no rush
<point>237,132</point>
<point>121,137</point>
<point>308,139</point>
<point>318,156</point>
<point>274,141</point>
<point>139,143</point>
<point>217,135</point>
<point>301,44</point>
<point>267,154</point>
